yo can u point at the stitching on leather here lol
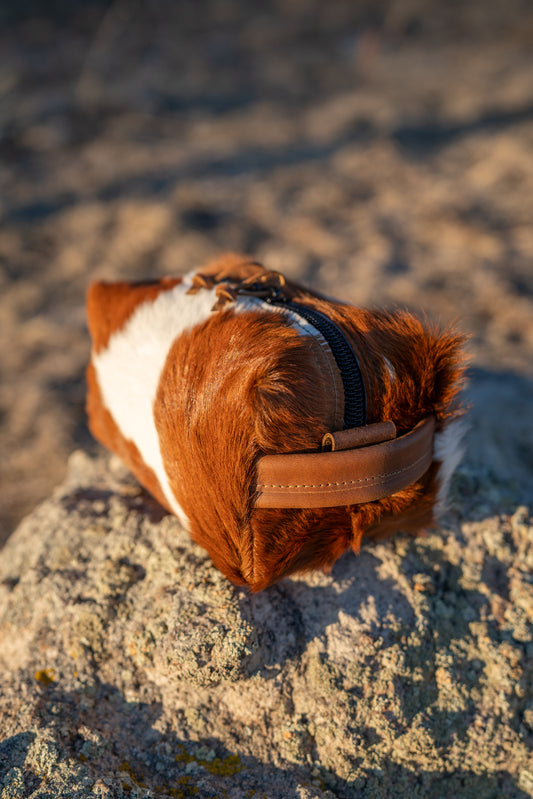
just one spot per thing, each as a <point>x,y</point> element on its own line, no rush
<point>349,482</point>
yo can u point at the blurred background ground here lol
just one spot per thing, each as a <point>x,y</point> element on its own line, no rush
<point>381,151</point>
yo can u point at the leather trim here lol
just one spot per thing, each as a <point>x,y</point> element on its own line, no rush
<point>345,477</point>
<point>359,436</point>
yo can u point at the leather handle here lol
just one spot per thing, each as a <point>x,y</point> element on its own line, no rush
<point>359,436</point>
<point>345,477</point>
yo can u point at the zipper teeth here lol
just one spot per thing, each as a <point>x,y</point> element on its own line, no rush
<point>352,378</point>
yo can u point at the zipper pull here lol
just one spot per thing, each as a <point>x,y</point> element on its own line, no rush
<point>269,287</point>
<point>276,296</point>
<point>264,291</point>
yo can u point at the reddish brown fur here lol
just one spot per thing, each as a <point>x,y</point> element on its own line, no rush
<point>240,386</point>
<point>219,407</point>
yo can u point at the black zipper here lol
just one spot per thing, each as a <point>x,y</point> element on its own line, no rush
<point>352,378</point>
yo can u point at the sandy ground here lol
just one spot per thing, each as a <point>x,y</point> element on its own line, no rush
<point>379,152</point>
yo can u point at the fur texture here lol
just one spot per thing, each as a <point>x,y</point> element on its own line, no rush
<point>191,397</point>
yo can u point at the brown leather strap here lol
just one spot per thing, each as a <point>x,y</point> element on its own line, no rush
<point>346,477</point>
<point>359,436</point>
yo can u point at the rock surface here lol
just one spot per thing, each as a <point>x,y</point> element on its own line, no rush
<point>132,668</point>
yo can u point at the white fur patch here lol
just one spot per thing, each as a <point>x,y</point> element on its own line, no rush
<point>448,449</point>
<point>129,369</point>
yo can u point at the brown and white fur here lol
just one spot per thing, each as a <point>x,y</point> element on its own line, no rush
<point>190,397</point>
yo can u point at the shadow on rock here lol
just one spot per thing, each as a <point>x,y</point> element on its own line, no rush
<point>93,738</point>
<point>461,783</point>
<point>500,439</point>
<point>97,742</point>
<point>290,614</point>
